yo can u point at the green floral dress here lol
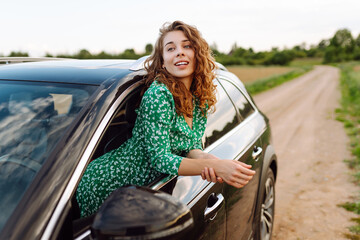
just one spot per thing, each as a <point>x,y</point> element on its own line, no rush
<point>161,138</point>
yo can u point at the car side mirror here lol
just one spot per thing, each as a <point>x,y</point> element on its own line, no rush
<point>141,213</point>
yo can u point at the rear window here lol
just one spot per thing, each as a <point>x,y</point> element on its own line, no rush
<point>223,120</point>
<point>33,118</point>
<point>241,103</point>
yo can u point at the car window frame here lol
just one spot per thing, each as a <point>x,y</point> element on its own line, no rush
<point>85,159</point>
<point>224,79</point>
<point>218,142</point>
<point>221,93</point>
<point>243,92</point>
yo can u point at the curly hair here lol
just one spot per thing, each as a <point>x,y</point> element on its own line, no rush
<point>202,86</point>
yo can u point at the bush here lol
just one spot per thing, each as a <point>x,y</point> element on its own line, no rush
<point>279,58</point>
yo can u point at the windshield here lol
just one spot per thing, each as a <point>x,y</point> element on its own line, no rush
<point>33,117</point>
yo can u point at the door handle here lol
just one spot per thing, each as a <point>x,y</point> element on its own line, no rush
<point>214,203</point>
<point>256,153</point>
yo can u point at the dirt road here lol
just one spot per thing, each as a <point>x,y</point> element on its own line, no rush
<point>311,146</point>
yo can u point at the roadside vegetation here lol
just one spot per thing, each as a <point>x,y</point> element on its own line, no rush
<point>296,69</point>
<point>261,78</point>
<point>261,70</point>
<point>349,114</point>
<point>341,47</point>
<point>273,81</point>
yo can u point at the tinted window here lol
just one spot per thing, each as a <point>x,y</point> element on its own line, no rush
<point>222,120</point>
<point>120,128</point>
<point>33,117</point>
<point>242,104</point>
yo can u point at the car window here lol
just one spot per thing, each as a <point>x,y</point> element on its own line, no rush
<point>33,117</point>
<point>120,128</point>
<point>222,120</point>
<point>242,104</point>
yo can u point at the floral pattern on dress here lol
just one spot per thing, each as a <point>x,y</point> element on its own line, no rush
<point>161,138</point>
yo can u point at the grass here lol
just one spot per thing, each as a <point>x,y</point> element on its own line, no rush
<point>248,74</point>
<point>349,114</point>
<point>261,78</point>
<point>273,81</point>
<point>301,62</point>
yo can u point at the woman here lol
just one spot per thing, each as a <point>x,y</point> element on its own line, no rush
<point>170,124</point>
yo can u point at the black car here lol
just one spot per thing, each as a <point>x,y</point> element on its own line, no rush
<point>56,116</point>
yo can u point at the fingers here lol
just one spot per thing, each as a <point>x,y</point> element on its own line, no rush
<point>245,168</point>
<point>244,165</point>
<point>241,176</point>
<point>239,181</point>
<point>219,179</point>
<point>209,175</point>
<point>237,177</point>
<point>212,175</point>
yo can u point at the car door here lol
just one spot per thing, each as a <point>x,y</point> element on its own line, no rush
<point>205,200</point>
<point>231,136</point>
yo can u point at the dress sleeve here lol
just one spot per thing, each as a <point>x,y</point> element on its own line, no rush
<point>158,110</point>
<point>197,145</point>
<point>201,124</point>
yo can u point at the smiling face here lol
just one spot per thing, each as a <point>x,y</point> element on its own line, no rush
<point>179,56</point>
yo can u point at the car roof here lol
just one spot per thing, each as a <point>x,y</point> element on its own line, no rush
<point>68,71</point>
<point>79,71</point>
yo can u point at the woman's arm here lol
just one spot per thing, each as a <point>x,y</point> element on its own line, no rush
<point>197,153</point>
<point>206,173</point>
<point>156,113</point>
<point>234,173</point>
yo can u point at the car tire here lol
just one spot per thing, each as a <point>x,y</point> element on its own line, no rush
<point>266,209</point>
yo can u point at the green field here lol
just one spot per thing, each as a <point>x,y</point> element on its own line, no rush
<point>349,114</point>
<point>262,78</point>
<point>248,74</point>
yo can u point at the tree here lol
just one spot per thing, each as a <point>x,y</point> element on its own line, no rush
<point>83,54</point>
<point>18,54</point>
<point>341,47</point>
<point>357,54</point>
<point>330,55</point>
<point>239,52</point>
<point>357,41</point>
<point>104,55</point>
<point>342,38</point>
<point>280,58</point>
<point>323,44</point>
<point>148,49</point>
<point>129,54</point>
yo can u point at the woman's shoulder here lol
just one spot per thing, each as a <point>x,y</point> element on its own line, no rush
<point>157,89</point>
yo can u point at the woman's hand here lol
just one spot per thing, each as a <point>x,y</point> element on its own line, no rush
<point>209,175</point>
<point>206,173</point>
<point>234,173</point>
<point>213,169</point>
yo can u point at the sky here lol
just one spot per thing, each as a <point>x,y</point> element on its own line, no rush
<point>67,26</point>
